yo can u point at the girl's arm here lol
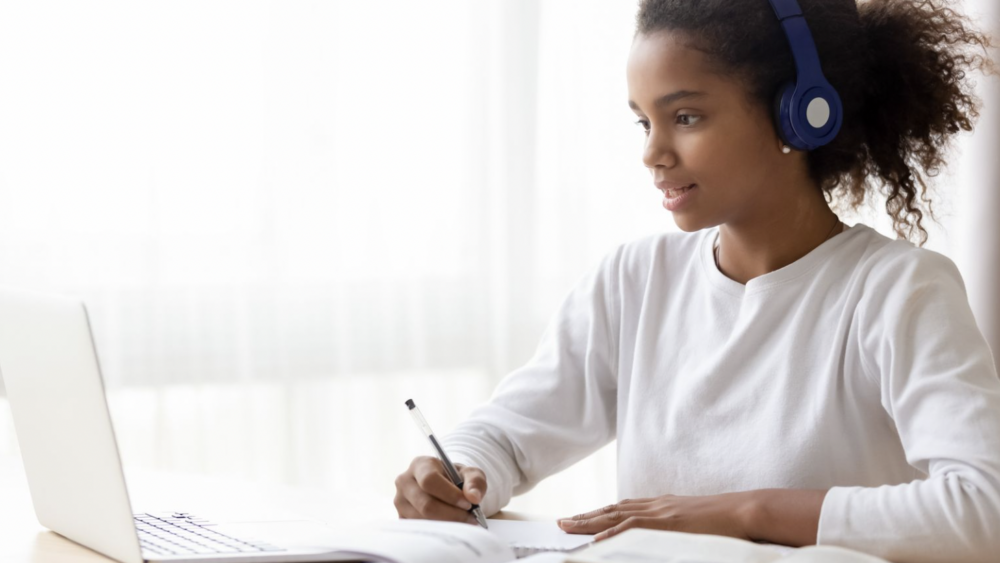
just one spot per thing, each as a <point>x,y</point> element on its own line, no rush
<point>784,516</point>
<point>558,408</point>
<point>938,383</point>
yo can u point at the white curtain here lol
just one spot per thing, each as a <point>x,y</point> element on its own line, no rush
<point>977,250</point>
<point>333,204</point>
<point>255,190</point>
<point>336,205</point>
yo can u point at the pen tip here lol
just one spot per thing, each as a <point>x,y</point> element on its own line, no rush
<point>409,403</point>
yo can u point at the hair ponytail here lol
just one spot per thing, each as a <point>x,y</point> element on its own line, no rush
<point>917,98</point>
<point>900,67</point>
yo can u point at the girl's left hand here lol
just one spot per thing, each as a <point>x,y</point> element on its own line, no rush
<point>725,515</point>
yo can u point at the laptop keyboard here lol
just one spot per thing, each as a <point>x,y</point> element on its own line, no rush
<point>180,533</point>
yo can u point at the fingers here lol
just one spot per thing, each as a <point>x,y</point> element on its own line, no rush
<point>604,518</point>
<point>591,523</point>
<point>403,507</point>
<point>627,505</point>
<point>475,483</point>
<point>432,479</point>
<point>630,522</point>
<point>424,490</point>
<point>413,502</point>
<point>603,511</point>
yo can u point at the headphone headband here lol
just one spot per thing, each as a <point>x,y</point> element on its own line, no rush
<point>809,112</point>
<point>786,8</point>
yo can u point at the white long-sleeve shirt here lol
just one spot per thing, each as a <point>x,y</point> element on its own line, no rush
<point>859,368</point>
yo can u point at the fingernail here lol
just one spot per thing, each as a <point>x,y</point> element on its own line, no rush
<point>465,505</point>
<point>476,494</point>
<point>567,523</point>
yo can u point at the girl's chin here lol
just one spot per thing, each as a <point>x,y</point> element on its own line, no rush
<point>689,223</point>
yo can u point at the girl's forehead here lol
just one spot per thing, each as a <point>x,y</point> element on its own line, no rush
<point>666,55</point>
<point>667,61</point>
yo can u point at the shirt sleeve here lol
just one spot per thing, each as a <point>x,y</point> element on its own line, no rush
<point>938,382</point>
<point>560,406</point>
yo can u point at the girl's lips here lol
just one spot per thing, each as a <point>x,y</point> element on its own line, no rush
<point>674,192</point>
<point>676,199</point>
<point>665,186</point>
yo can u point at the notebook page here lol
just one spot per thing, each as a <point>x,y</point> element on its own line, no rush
<point>425,541</point>
<point>830,554</point>
<point>657,546</point>
<point>547,557</point>
<point>527,537</point>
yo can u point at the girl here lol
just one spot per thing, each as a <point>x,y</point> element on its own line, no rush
<point>770,373</point>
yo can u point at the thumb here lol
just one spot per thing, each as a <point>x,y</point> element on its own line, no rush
<point>475,483</point>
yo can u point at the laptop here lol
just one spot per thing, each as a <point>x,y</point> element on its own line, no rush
<point>49,366</point>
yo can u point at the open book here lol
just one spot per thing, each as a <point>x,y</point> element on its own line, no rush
<point>528,537</point>
<point>426,541</point>
<point>657,546</point>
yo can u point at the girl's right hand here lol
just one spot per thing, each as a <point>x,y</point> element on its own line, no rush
<point>425,491</point>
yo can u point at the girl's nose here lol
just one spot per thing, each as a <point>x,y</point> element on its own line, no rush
<point>658,152</point>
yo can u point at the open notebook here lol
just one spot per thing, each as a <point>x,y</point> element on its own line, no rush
<point>530,537</point>
<point>657,546</point>
<point>426,541</point>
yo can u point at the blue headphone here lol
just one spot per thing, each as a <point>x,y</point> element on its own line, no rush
<point>808,112</point>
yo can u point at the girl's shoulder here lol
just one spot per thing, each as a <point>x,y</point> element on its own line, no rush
<point>897,272</point>
<point>871,258</point>
<point>896,259</point>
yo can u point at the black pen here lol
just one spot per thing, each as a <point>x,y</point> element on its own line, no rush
<point>452,472</point>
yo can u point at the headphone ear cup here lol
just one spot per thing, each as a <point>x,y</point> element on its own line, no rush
<point>782,122</point>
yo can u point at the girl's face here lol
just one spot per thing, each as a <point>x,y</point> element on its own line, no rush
<point>702,129</point>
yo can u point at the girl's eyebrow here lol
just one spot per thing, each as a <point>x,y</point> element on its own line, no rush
<point>668,99</point>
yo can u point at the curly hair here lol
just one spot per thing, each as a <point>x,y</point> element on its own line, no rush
<point>900,67</point>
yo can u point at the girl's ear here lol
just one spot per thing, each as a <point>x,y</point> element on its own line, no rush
<point>776,118</point>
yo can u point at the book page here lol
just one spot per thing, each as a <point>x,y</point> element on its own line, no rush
<point>657,546</point>
<point>830,554</point>
<point>426,541</point>
<point>527,537</point>
<point>549,557</point>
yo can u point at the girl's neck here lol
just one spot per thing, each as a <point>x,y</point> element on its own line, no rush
<point>752,248</point>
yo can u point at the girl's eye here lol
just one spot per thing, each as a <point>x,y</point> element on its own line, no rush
<point>688,120</point>
<point>685,120</point>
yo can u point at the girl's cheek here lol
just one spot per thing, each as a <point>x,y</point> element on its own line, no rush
<point>704,154</point>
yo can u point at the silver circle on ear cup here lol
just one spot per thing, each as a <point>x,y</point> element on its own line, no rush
<point>818,113</point>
